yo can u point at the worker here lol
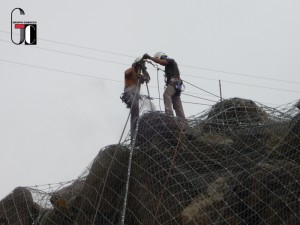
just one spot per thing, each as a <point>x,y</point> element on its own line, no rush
<point>134,76</point>
<point>173,83</point>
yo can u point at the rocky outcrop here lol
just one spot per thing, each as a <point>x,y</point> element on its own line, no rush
<point>181,170</point>
<point>206,172</point>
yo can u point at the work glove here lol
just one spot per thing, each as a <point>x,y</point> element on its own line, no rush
<point>146,56</point>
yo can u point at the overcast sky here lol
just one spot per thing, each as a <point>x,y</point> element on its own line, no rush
<point>52,124</point>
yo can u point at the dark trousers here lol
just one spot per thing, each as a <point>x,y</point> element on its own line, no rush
<point>171,98</point>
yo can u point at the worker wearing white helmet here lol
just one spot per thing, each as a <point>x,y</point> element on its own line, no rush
<point>134,76</point>
<point>173,83</point>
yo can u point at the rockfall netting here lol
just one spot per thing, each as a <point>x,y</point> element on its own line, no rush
<point>236,163</point>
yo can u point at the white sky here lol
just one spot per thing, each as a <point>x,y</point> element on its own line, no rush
<point>53,124</point>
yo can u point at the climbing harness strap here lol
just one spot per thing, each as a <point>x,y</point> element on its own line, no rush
<point>178,84</point>
<point>128,98</point>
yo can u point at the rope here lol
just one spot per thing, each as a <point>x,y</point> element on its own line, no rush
<point>158,90</point>
<point>201,89</point>
<point>199,97</point>
<point>130,163</point>
<point>128,177</point>
<point>195,103</point>
<point>149,97</point>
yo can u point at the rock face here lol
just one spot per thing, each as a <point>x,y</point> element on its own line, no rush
<point>271,196</point>
<point>183,172</point>
<point>227,201</point>
<point>206,207</point>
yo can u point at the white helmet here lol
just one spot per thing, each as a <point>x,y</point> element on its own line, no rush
<point>137,59</point>
<point>160,55</point>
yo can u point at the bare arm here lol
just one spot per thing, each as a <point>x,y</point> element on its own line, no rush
<point>162,62</point>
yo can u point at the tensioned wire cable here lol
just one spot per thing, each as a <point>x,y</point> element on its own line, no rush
<point>181,65</point>
<point>189,75</point>
<point>187,82</point>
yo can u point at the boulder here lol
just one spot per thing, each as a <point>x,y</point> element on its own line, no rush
<point>227,115</point>
<point>157,129</point>
<point>101,198</point>
<point>18,208</point>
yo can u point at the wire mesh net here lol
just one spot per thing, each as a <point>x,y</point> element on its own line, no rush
<point>235,163</point>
